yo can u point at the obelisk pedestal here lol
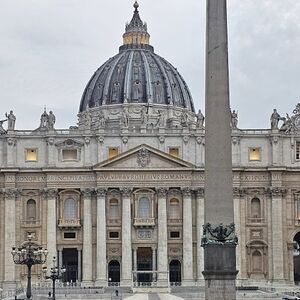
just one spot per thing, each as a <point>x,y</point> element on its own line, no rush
<point>219,240</point>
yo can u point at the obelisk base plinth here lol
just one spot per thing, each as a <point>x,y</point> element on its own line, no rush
<point>220,272</point>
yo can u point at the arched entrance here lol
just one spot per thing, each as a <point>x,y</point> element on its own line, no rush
<point>114,271</point>
<point>175,271</point>
<point>297,258</point>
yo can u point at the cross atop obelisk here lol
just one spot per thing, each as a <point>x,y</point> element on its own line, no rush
<point>219,240</point>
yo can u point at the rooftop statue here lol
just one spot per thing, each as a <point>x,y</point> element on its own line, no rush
<point>47,121</point>
<point>275,118</point>
<point>2,130</point>
<point>234,119</point>
<point>11,118</point>
<point>200,119</point>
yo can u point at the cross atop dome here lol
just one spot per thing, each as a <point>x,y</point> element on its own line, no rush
<point>136,31</point>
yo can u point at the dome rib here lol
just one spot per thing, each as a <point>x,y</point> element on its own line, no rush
<point>148,78</point>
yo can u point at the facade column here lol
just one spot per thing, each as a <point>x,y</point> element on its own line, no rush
<point>87,257</point>
<point>51,196</point>
<point>162,248</point>
<point>277,233</point>
<point>126,278</point>
<point>60,258</point>
<point>200,223</point>
<point>87,151</point>
<point>154,268</point>
<point>101,238</point>
<point>187,237</point>
<point>237,222</point>
<point>9,238</point>
<point>79,265</point>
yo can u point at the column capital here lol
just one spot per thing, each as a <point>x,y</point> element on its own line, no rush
<point>187,192</point>
<point>162,192</point>
<point>87,193</point>
<point>199,192</point>
<point>277,191</point>
<point>50,193</point>
<point>238,192</point>
<point>125,191</point>
<point>11,193</point>
<point>101,192</point>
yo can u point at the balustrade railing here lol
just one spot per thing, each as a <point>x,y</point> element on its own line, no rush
<point>144,222</point>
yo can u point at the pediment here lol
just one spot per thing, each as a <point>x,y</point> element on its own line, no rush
<point>144,157</point>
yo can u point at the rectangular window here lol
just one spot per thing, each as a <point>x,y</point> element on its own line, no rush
<point>254,154</point>
<point>69,155</point>
<point>174,234</point>
<point>112,152</point>
<point>31,154</point>
<point>174,151</point>
<point>297,150</point>
<point>69,235</point>
<point>113,234</point>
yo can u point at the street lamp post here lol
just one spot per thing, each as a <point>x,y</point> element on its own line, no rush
<point>55,274</point>
<point>29,255</point>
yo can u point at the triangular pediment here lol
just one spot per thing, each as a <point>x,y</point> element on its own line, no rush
<point>144,157</point>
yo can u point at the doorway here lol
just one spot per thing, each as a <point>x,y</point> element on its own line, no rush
<point>144,263</point>
<point>114,271</point>
<point>175,271</point>
<point>70,262</point>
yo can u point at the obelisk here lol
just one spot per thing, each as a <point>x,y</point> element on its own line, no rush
<point>219,240</point>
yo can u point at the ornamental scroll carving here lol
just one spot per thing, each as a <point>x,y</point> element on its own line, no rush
<point>219,235</point>
<point>87,193</point>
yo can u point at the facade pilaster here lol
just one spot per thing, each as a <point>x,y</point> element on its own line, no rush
<point>51,149</point>
<point>187,237</point>
<point>51,196</point>
<point>241,251</point>
<point>11,151</point>
<point>87,151</point>
<point>162,244</point>
<point>9,237</point>
<point>126,277</point>
<point>199,226</point>
<point>79,264</point>
<point>87,255</point>
<point>101,264</point>
<point>277,233</point>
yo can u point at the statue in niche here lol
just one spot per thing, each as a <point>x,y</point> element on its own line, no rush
<point>116,92</point>
<point>144,116</point>
<point>11,118</point>
<point>275,118</point>
<point>161,122</point>
<point>234,119</point>
<point>2,130</point>
<point>158,96</point>
<point>136,90</point>
<point>184,119</point>
<point>102,119</point>
<point>125,118</point>
<point>51,120</point>
<point>200,119</point>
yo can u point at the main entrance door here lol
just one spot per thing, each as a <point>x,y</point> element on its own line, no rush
<point>70,261</point>
<point>297,258</point>
<point>175,271</point>
<point>144,263</point>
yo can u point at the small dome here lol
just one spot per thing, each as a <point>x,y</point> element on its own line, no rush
<point>136,75</point>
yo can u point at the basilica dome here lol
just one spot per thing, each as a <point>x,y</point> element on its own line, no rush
<point>136,75</point>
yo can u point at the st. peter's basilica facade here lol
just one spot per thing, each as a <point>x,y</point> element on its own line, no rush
<point>119,199</point>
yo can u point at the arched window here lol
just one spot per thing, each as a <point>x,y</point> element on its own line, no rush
<point>70,209</point>
<point>175,271</point>
<point>31,210</point>
<point>257,262</point>
<point>174,209</point>
<point>144,207</point>
<point>255,208</point>
<point>114,209</point>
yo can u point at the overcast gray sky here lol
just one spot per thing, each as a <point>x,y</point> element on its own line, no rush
<point>49,49</point>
